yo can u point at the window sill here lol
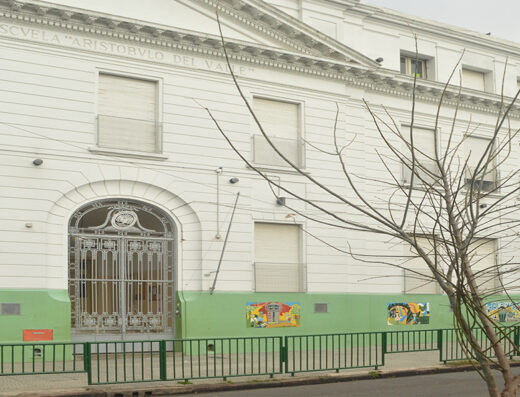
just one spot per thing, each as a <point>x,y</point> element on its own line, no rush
<point>278,170</point>
<point>495,195</point>
<point>127,153</point>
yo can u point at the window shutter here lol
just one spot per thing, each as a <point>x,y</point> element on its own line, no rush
<point>420,282</point>
<point>277,258</point>
<point>483,264</point>
<point>473,79</point>
<point>424,144</point>
<point>127,110</point>
<point>280,120</point>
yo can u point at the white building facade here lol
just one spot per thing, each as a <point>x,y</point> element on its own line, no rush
<point>118,189</point>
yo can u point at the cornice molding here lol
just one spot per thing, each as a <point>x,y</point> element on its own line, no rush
<point>409,22</point>
<point>271,27</point>
<point>380,80</point>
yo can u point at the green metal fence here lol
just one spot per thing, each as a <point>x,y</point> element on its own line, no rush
<point>452,350</point>
<point>305,353</point>
<point>412,341</point>
<point>184,359</point>
<point>41,358</point>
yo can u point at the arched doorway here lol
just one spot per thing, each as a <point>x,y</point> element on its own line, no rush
<point>121,271</point>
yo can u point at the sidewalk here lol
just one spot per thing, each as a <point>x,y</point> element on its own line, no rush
<point>399,364</point>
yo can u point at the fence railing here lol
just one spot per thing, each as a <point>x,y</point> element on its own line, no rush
<point>203,358</point>
<point>41,358</point>
<point>183,359</point>
<point>305,353</point>
<point>412,341</point>
<point>452,350</point>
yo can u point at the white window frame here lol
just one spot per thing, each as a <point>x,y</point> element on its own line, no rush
<point>159,153</point>
<point>301,132</point>
<point>408,65</point>
<point>302,254</point>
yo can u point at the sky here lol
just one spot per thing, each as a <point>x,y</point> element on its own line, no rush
<point>500,17</point>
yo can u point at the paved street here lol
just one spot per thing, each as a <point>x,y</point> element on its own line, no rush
<point>460,384</point>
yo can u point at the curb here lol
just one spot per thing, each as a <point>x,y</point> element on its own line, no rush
<point>133,390</point>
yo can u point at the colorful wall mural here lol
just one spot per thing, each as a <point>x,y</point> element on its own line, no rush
<point>503,311</point>
<point>408,313</point>
<point>273,314</point>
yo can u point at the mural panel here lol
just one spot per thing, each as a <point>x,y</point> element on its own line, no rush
<point>408,313</point>
<point>273,314</point>
<point>503,311</point>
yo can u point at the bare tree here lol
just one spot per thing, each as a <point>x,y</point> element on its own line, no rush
<point>452,204</point>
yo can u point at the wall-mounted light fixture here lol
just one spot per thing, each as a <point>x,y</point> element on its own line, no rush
<point>281,200</point>
<point>379,60</point>
<point>37,162</point>
<point>234,180</point>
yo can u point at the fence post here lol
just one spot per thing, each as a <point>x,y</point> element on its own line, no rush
<point>440,344</point>
<point>284,355</point>
<point>384,347</point>
<point>517,341</point>
<point>162,359</point>
<point>87,361</point>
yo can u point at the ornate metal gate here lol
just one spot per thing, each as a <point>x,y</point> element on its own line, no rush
<point>121,269</point>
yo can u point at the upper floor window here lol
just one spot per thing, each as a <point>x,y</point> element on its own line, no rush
<point>474,148</point>
<point>278,266</point>
<point>482,256</point>
<point>127,114</point>
<point>424,150</point>
<point>413,66</point>
<point>281,122</point>
<point>473,79</point>
<point>418,277</point>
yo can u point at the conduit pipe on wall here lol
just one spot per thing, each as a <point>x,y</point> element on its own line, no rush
<point>218,171</point>
<point>212,289</point>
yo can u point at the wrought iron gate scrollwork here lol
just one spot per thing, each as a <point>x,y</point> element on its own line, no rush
<point>121,268</point>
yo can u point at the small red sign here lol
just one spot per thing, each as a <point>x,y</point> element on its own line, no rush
<point>35,335</point>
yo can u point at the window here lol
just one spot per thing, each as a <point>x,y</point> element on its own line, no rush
<point>417,274</point>
<point>473,79</point>
<point>424,149</point>
<point>475,148</point>
<point>281,122</point>
<point>277,258</point>
<point>127,114</point>
<point>483,263</point>
<point>414,67</point>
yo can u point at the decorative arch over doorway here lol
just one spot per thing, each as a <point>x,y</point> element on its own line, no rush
<point>122,270</point>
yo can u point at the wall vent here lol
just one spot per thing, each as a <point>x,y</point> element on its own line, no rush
<point>10,309</point>
<point>321,308</point>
